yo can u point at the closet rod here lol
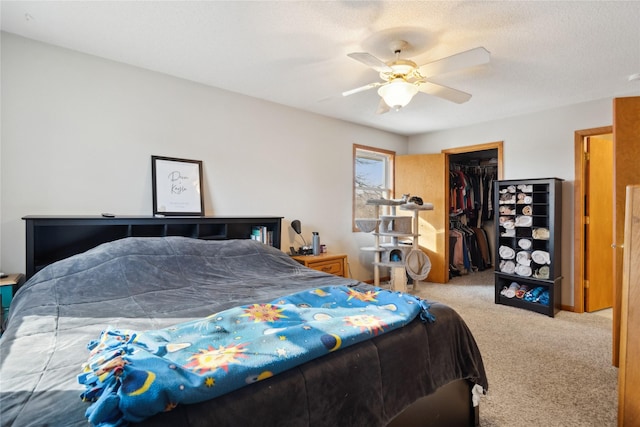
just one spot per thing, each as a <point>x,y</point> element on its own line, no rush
<point>462,166</point>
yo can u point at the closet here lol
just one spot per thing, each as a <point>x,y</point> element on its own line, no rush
<point>471,216</point>
<point>428,176</point>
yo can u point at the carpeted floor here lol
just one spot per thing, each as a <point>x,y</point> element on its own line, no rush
<point>542,371</point>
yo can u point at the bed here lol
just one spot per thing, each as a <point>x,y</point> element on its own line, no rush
<point>424,373</point>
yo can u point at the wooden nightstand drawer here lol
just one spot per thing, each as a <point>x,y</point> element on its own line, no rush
<point>329,263</point>
<point>332,267</point>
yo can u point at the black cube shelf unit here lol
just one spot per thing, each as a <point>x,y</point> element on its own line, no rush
<point>528,269</point>
<point>52,238</point>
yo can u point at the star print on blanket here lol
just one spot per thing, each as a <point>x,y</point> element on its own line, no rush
<point>131,375</point>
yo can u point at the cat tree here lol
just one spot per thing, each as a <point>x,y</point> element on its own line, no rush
<point>390,250</point>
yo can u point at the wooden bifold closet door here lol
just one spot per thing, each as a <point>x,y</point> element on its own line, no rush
<point>426,175</point>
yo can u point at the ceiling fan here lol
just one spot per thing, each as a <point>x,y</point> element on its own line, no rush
<point>403,78</point>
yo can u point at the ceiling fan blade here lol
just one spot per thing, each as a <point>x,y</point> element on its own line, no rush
<point>444,92</point>
<point>382,107</point>
<point>370,61</point>
<point>469,58</point>
<point>362,88</point>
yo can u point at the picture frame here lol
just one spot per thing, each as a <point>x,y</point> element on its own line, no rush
<point>177,186</point>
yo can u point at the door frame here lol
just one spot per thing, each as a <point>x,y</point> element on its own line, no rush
<point>579,205</point>
<point>498,145</point>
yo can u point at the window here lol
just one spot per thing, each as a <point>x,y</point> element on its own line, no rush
<point>372,179</point>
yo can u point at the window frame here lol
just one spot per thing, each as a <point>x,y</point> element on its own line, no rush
<point>390,157</point>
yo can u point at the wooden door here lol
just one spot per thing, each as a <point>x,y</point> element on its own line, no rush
<point>580,213</point>
<point>626,148</point>
<point>426,175</point>
<point>629,373</point>
<point>599,227</point>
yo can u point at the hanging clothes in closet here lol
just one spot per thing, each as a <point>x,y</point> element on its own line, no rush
<point>468,248</point>
<point>470,205</point>
<point>471,192</point>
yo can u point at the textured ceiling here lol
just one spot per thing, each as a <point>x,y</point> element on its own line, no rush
<point>544,54</point>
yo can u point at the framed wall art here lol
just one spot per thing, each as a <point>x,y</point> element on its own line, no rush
<point>177,186</point>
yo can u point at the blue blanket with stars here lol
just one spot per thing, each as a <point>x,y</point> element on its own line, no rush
<point>131,375</point>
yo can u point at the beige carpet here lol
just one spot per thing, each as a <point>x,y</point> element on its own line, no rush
<point>542,371</point>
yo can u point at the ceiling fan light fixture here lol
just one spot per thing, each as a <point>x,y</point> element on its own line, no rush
<point>401,67</point>
<point>398,93</point>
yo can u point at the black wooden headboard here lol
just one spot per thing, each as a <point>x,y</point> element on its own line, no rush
<point>52,238</point>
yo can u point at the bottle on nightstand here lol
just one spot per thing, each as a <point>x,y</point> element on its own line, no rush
<point>315,243</point>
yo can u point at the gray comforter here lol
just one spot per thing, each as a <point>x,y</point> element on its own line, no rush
<point>151,283</point>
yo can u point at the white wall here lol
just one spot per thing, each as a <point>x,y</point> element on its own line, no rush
<point>78,133</point>
<point>539,145</point>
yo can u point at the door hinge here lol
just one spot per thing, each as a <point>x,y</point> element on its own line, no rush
<point>586,284</point>
<point>586,156</point>
<point>586,220</point>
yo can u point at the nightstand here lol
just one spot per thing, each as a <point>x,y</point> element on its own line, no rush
<point>328,263</point>
<point>8,285</point>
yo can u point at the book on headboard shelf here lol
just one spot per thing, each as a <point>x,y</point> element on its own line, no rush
<point>262,234</point>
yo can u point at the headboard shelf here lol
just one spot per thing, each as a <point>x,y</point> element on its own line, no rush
<point>52,238</point>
